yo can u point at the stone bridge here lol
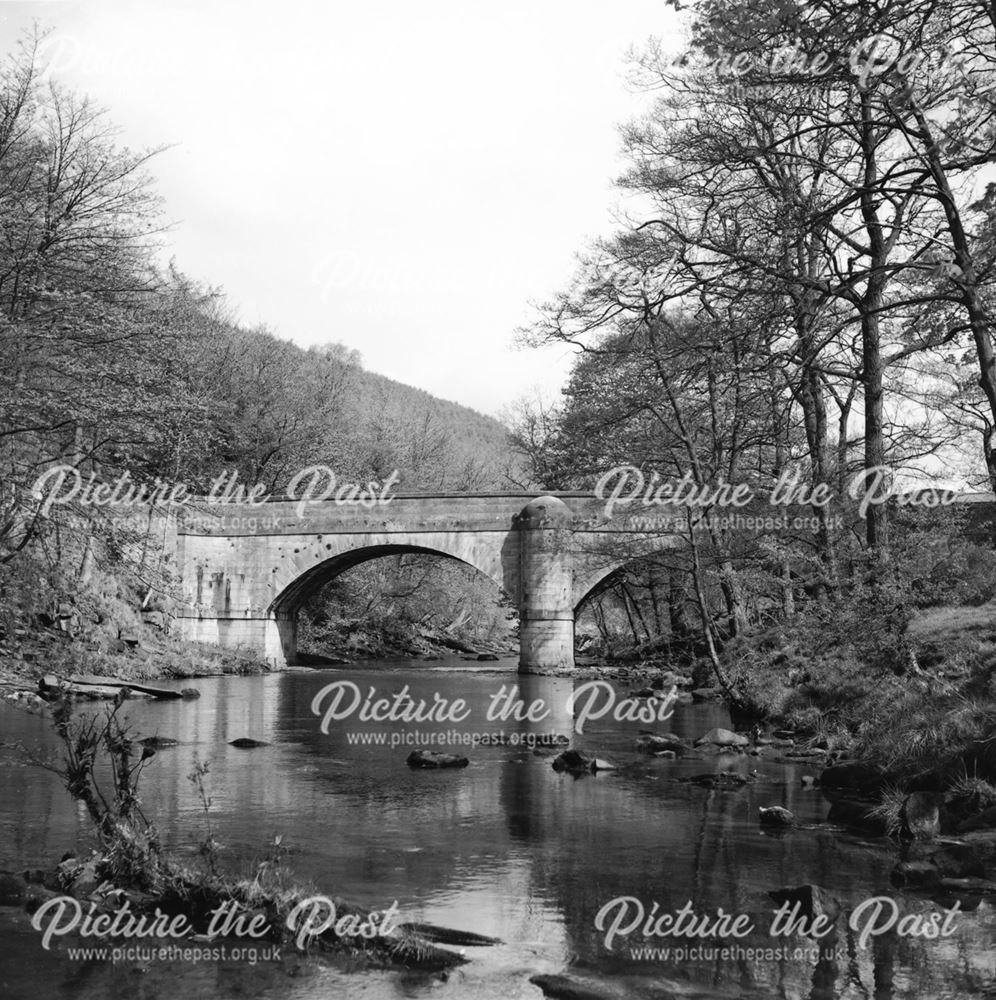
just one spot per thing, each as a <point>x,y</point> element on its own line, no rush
<point>246,569</point>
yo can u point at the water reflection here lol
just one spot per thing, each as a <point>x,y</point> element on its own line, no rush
<point>505,847</point>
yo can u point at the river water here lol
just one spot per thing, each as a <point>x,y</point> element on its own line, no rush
<point>506,847</point>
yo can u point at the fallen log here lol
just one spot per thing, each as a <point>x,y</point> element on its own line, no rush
<point>50,685</point>
<point>92,680</point>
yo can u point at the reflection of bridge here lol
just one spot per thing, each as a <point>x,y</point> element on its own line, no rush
<point>245,570</point>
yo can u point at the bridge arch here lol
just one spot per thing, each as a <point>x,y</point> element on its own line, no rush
<point>600,562</point>
<point>284,608</point>
<point>306,581</point>
<point>596,584</point>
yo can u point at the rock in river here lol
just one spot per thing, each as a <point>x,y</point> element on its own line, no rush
<point>244,743</point>
<point>923,874</point>
<point>776,816</point>
<point>575,762</point>
<point>649,743</point>
<point>722,738</point>
<point>13,889</point>
<point>158,742</point>
<point>574,987</point>
<point>921,815</point>
<point>429,758</point>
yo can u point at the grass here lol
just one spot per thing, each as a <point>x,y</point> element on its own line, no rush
<point>914,738</point>
<point>890,810</point>
<point>975,789</point>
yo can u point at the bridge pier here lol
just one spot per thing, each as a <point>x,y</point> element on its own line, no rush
<point>272,637</point>
<point>546,607</point>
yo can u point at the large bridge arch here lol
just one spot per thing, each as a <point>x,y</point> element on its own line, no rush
<point>312,565</point>
<point>312,580</point>
<point>329,564</point>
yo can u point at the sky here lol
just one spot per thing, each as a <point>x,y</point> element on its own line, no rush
<point>407,178</point>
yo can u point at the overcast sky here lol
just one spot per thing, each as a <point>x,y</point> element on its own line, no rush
<point>403,177</point>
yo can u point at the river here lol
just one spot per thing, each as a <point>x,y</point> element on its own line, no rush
<point>506,847</point>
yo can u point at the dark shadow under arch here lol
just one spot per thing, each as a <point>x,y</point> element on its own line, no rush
<point>606,583</point>
<point>289,601</point>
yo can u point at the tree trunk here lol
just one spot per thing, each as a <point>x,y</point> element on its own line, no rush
<point>968,283</point>
<point>877,518</point>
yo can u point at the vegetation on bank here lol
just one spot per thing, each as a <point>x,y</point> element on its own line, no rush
<point>52,623</point>
<point>101,767</point>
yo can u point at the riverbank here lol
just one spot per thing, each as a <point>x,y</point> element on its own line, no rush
<point>896,711</point>
<point>27,655</point>
<point>910,723</point>
<point>142,652</point>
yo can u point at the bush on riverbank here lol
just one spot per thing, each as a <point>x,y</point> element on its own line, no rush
<point>829,661</point>
<point>101,768</point>
<point>912,693</point>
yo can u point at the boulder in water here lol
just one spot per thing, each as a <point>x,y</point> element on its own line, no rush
<point>648,743</point>
<point>158,742</point>
<point>921,815</point>
<point>432,759</point>
<point>573,987</point>
<point>722,738</point>
<point>922,874</point>
<point>776,816</point>
<point>574,762</point>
